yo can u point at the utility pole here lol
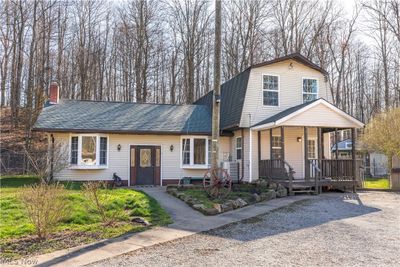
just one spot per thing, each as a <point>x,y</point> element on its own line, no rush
<point>217,89</point>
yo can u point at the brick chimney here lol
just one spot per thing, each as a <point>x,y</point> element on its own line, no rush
<point>54,93</point>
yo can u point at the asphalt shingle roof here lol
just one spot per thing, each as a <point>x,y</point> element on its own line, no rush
<point>124,117</point>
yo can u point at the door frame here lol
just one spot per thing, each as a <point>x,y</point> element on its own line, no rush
<point>129,161</point>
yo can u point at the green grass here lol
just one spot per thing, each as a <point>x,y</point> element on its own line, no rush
<point>80,219</point>
<point>377,183</point>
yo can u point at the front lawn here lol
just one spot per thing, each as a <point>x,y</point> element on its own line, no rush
<point>377,183</point>
<point>81,225</point>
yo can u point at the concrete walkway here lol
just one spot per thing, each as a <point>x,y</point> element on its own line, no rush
<point>186,222</point>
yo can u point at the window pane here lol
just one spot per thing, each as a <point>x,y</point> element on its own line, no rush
<point>309,97</point>
<point>310,86</point>
<point>270,98</point>
<point>74,150</point>
<point>311,149</point>
<point>276,153</point>
<point>88,150</point>
<point>185,151</point>
<point>103,150</point>
<point>270,82</point>
<point>276,141</point>
<point>158,157</point>
<point>276,147</point>
<point>145,157</point>
<point>209,151</point>
<point>133,157</point>
<point>239,148</point>
<point>199,151</point>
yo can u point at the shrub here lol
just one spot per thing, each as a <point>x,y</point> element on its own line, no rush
<point>45,206</point>
<point>99,199</point>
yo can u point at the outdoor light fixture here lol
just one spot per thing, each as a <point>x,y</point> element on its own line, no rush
<point>290,65</point>
<point>171,148</point>
<point>298,139</point>
<point>119,147</point>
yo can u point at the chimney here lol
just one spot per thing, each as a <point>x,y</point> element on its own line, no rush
<point>54,93</point>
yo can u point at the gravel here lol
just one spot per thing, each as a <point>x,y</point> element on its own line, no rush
<point>329,230</point>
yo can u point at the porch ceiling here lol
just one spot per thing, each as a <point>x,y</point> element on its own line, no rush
<point>317,113</point>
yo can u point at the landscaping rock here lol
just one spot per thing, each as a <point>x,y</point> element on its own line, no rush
<point>179,194</point>
<point>140,220</point>
<point>257,197</point>
<point>218,207</point>
<point>281,192</point>
<point>210,211</point>
<point>268,195</point>
<point>226,207</point>
<point>240,203</point>
<point>199,207</point>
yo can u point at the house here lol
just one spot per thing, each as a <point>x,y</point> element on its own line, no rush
<point>275,115</point>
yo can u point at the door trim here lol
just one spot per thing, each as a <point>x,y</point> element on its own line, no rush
<point>129,160</point>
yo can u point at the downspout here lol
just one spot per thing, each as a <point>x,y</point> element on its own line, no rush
<point>250,151</point>
<point>51,158</point>
<point>242,169</point>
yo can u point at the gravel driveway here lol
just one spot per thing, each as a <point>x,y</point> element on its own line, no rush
<point>329,230</point>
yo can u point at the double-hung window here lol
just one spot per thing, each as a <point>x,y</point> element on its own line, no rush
<point>270,90</point>
<point>310,89</point>
<point>312,149</point>
<point>195,152</point>
<point>238,148</point>
<point>89,151</point>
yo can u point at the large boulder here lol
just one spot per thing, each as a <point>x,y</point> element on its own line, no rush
<point>257,197</point>
<point>240,203</point>
<point>281,192</point>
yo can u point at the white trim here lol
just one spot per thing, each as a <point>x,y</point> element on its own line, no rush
<point>250,155</point>
<point>302,87</point>
<point>262,89</point>
<point>80,166</point>
<point>129,161</point>
<point>192,165</point>
<point>317,102</point>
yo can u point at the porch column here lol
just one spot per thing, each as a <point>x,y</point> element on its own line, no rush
<point>259,146</point>
<point>270,143</point>
<point>283,142</point>
<point>353,157</point>
<point>306,165</point>
<point>320,147</point>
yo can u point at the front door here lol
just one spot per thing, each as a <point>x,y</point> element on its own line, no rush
<point>145,165</point>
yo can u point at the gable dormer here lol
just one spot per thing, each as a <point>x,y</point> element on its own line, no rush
<point>276,85</point>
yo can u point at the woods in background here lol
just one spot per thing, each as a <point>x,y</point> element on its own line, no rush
<point>162,51</point>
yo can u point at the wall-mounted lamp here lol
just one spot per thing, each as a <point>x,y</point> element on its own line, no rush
<point>119,147</point>
<point>290,65</point>
<point>298,139</point>
<point>171,148</point>
<point>217,98</point>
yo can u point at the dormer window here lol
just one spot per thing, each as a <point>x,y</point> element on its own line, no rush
<point>310,89</point>
<point>270,90</point>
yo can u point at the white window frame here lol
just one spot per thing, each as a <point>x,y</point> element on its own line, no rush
<point>240,148</point>
<point>79,165</point>
<point>266,90</point>
<point>192,165</point>
<point>302,88</point>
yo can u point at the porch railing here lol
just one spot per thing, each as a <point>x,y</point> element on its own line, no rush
<point>335,169</point>
<point>276,169</point>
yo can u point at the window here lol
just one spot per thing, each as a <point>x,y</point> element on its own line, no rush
<point>239,148</point>
<point>310,90</point>
<point>74,150</point>
<point>196,152</point>
<point>270,90</point>
<point>89,150</point>
<point>103,150</point>
<point>276,152</point>
<point>145,157</point>
<point>311,149</point>
<point>186,151</point>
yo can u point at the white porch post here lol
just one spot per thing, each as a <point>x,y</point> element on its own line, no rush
<point>250,155</point>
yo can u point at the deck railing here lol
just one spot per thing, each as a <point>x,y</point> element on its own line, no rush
<point>335,169</point>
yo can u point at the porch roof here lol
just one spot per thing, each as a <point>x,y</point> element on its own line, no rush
<point>323,114</point>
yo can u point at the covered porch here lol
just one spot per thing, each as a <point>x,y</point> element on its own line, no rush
<point>294,149</point>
